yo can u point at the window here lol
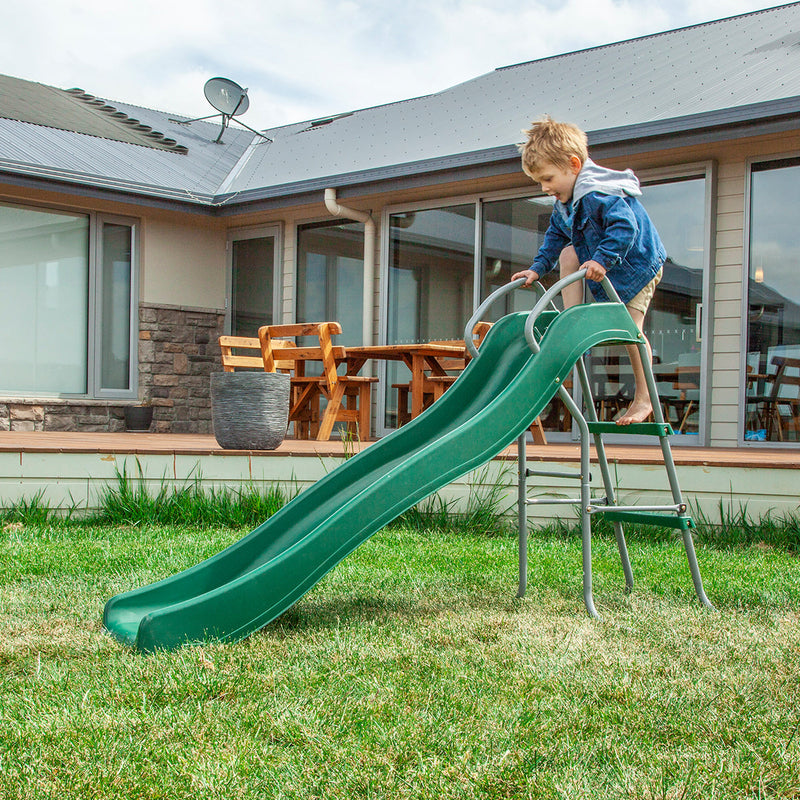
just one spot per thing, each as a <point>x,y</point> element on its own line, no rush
<point>254,262</point>
<point>431,265</point>
<point>772,410</point>
<point>330,277</point>
<point>434,265</point>
<point>66,304</point>
<point>430,287</point>
<point>513,230</point>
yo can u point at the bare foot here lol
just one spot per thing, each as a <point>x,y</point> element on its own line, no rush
<point>638,411</point>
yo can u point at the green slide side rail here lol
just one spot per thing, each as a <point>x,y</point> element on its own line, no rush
<point>497,397</point>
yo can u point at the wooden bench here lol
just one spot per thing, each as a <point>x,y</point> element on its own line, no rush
<point>348,397</point>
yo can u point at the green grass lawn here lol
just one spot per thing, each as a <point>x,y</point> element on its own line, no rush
<point>411,671</point>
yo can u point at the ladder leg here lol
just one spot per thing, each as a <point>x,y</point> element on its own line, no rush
<point>586,528</point>
<point>608,486</point>
<point>672,476</point>
<point>522,515</point>
<point>586,499</point>
<point>697,580</point>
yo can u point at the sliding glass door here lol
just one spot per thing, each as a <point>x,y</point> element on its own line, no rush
<point>437,256</point>
<point>430,283</point>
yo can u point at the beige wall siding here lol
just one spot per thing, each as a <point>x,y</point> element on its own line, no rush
<point>183,262</point>
<point>723,409</point>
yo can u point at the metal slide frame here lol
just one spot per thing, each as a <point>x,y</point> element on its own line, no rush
<point>672,515</point>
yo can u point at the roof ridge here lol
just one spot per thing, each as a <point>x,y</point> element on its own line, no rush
<point>646,36</point>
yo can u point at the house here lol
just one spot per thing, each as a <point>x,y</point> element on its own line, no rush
<point>131,239</point>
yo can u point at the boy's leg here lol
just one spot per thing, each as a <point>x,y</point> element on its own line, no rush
<point>568,264</point>
<point>641,407</point>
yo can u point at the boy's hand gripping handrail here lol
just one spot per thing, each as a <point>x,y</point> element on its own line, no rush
<point>547,298</point>
<point>484,306</point>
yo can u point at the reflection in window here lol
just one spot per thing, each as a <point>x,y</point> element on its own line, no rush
<point>431,255</point>
<point>330,277</point>
<point>677,209</point>
<point>253,284</point>
<point>430,291</point>
<point>773,409</point>
<point>115,339</point>
<point>513,231</point>
<point>44,301</point>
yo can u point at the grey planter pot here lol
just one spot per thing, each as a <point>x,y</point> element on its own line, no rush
<point>249,410</point>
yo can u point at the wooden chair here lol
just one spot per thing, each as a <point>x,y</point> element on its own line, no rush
<point>781,406</point>
<point>348,397</point>
<point>244,352</point>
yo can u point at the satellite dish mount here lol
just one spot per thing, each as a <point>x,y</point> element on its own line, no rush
<point>230,100</point>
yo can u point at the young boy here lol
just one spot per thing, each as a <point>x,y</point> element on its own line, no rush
<point>597,224</point>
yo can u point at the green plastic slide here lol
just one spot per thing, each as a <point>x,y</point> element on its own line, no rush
<point>497,397</point>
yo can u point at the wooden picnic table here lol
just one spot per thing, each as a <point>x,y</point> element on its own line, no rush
<point>419,357</point>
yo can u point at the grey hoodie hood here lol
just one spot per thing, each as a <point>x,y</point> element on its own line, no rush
<point>594,178</point>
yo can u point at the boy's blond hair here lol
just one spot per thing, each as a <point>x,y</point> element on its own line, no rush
<point>551,142</point>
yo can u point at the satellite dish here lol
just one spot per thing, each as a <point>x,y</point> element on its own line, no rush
<point>230,99</point>
<point>226,96</point>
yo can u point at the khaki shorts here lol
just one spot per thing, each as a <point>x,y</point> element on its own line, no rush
<point>641,302</point>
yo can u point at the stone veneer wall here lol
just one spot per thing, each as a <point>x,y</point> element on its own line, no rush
<point>178,351</point>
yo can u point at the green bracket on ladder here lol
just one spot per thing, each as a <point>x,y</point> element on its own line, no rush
<point>640,428</point>
<point>649,518</point>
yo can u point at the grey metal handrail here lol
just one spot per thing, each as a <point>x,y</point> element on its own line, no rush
<point>484,307</point>
<point>547,298</point>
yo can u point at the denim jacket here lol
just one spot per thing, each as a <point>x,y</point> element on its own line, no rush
<point>611,229</point>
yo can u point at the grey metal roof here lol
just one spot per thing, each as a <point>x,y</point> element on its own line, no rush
<point>740,61</point>
<point>737,70</point>
<point>58,136</point>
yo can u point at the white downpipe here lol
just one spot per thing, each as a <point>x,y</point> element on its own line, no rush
<point>369,256</point>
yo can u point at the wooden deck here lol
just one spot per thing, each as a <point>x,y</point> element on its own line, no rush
<point>200,445</point>
<point>70,471</point>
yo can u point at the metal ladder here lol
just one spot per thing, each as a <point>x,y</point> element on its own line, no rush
<point>673,515</point>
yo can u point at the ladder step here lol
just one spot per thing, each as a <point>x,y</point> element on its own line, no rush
<point>640,428</point>
<point>648,518</point>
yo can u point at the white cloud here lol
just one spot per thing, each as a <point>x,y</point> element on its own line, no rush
<point>307,58</point>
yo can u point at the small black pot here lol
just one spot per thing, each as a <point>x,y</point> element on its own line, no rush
<point>138,418</point>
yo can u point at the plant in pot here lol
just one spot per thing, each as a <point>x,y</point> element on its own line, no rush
<point>139,417</point>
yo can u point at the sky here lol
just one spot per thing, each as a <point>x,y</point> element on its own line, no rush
<point>306,59</point>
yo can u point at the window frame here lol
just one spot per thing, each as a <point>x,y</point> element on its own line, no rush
<point>95,388</point>
<point>96,219</point>
<point>706,169</point>
<point>745,307</point>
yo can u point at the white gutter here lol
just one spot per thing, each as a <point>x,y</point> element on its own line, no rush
<point>369,256</point>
